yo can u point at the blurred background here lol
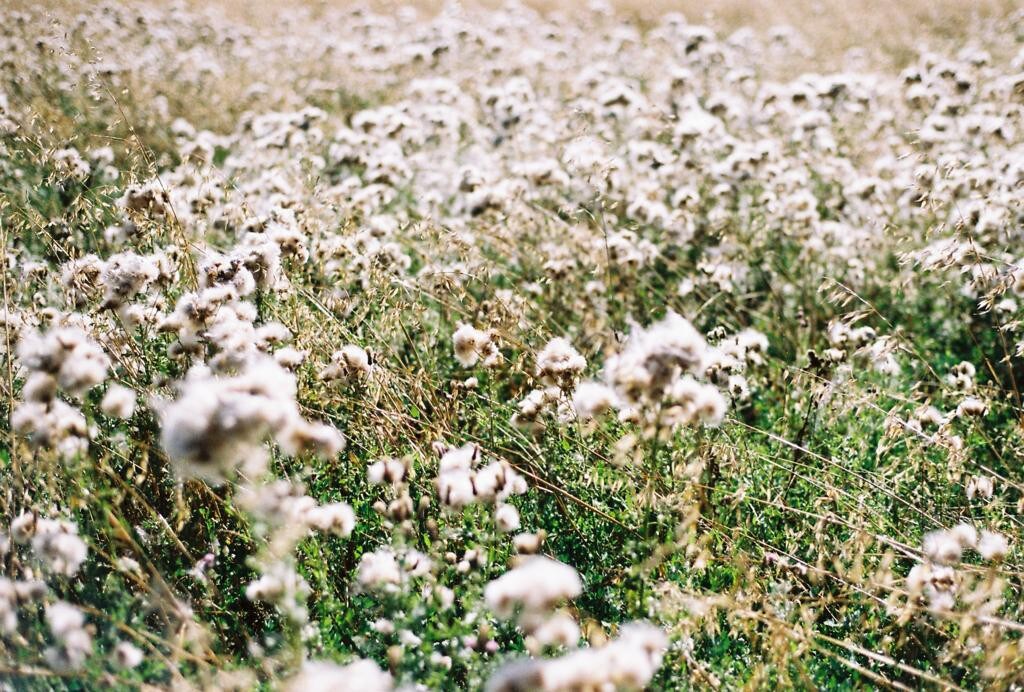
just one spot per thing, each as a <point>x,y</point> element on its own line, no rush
<point>830,27</point>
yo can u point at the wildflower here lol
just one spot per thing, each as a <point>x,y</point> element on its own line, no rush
<point>58,545</point>
<point>416,564</point>
<point>8,607</point>
<point>459,483</point>
<point>688,401</point>
<point>74,643</point>
<point>322,676</point>
<point>654,375</point>
<point>14,594</point>
<point>440,660</point>
<point>290,358</point>
<point>993,546</point>
<point>497,482</point>
<point>300,436</point>
<point>961,376</point>
<point>946,547</point>
<point>124,276</point>
<point>347,365</point>
<point>592,399</point>
<point>127,655</point>
<point>337,519</point>
<point>560,630</point>
<point>40,388</point>
<point>559,364</point>
<point>202,566</point>
<point>80,279</point>
<point>384,626</point>
<point>23,527</point>
<point>537,585</point>
<point>379,570</point>
<point>506,517</point>
<point>919,575</point>
<point>472,344</point>
<point>128,565</point>
<point>530,409</point>
<point>929,415</point>
<point>940,589</point>
<point>219,422</point>
<point>281,585</point>
<point>118,402</point>
<point>529,543</point>
<point>628,662</point>
<point>149,198</point>
<point>971,406</point>
<point>392,471</point>
<point>271,334</point>
<point>981,487</point>
<point>53,425</point>
<point>738,388</point>
<point>77,362</point>
<point>71,161</point>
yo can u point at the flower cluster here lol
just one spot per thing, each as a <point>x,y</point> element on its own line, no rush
<point>64,358</point>
<point>461,480</point>
<point>219,423</point>
<point>532,590</point>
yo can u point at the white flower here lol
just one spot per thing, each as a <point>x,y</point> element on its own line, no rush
<point>58,545</point>
<point>472,344</point>
<point>409,639</point>
<point>416,564</point>
<point>981,487</point>
<point>220,422</point>
<point>323,676</point>
<point>383,625</point>
<point>528,417</point>
<point>940,588</point>
<point>74,643</point>
<point>118,402</point>
<point>349,364</point>
<point>390,471</point>
<point>971,406</point>
<point>506,517</point>
<point>966,534</point>
<point>537,585</point>
<point>458,484</point>
<point>77,362</point>
<point>929,415</point>
<point>628,662</point>
<point>127,655</point>
<point>961,376</point>
<point>688,401</point>
<point>290,358</point>
<point>558,363</point>
<point>379,569</point>
<point>23,527</point>
<point>946,547</point>
<point>281,585</point>
<point>919,575</point>
<point>593,399</point>
<point>657,368</point>
<point>993,546</point>
<point>124,276</point>
<point>336,518</point>
<point>560,630</point>
<point>528,543</point>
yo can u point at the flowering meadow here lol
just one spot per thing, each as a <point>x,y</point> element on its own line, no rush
<point>508,349</point>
